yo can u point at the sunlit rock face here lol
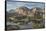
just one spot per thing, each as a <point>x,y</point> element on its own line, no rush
<point>22,10</point>
<point>28,12</point>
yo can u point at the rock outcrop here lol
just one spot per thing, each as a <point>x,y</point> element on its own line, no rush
<point>27,12</point>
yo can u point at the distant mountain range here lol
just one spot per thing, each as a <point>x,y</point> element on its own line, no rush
<point>24,11</point>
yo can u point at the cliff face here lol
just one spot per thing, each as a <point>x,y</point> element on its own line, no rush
<point>24,11</point>
<point>27,12</point>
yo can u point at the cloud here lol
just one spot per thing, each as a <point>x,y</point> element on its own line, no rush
<point>13,5</point>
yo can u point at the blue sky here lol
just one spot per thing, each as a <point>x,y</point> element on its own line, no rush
<point>13,5</point>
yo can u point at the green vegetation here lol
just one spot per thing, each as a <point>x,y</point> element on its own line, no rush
<point>37,25</point>
<point>26,19</point>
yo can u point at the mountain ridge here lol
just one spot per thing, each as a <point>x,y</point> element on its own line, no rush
<point>24,11</point>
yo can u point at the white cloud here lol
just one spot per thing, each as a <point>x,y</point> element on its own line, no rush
<point>13,5</point>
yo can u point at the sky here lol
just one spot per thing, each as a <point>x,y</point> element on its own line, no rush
<point>14,4</point>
